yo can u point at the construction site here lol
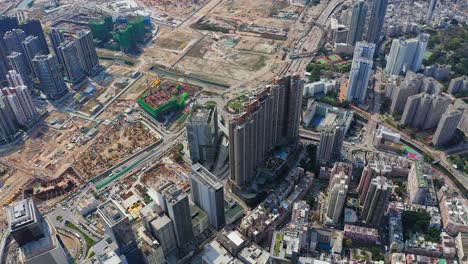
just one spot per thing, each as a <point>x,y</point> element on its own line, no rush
<point>174,11</point>
<point>43,189</point>
<point>119,140</point>
<point>164,98</point>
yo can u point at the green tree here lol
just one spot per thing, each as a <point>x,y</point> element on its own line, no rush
<point>348,242</point>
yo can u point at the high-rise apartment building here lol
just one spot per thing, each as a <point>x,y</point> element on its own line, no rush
<point>270,118</point>
<point>8,126</point>
<point>357,24</point>
<point>14,78</point>
<point>7,23</point>
<point>202,133</point>
<point>379,191</point>
<point>32,27</point>
<point>12,40</point>
<point>458,85</point>
<point>378,9</point>
<point>430,9</point>
<point>38,240</point>
<point>367,175</point>
<point>31,47</point>
<point>364,49</point>
<point>117,225</point>
<point>56,38</point>
<point>69,59</point>
<point>361,69</point>
<point>406,54</point>
<point>176,204</point>
<point>12,98</point>
<point>331,142</point>
<point>50,79</point>
<point>337,191</point>
<point>87,52</point>
<point>208,194</point>
<point>424,111</point>
<point>359,79</point>
<point>447,125</point>
<point>19,63</point>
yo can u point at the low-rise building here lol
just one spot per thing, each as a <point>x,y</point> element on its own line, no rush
<point>361,234</point>
<point>462,246</point>
<point>395,229</point>
<point>398,258</point>
<point>454,212</point>
<point>214,253</point>
<point>320,87</point>
<point>87,205</point>
<point>417,245</point>
<point>232,240</point>
<point>254,254</point>
<point>420,187</point>
<point>329,237</point>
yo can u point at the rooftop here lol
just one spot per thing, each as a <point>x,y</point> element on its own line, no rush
<point>111,212</point>
<point>254,254</point>
<point>21,213</point>
<point>172,193</point>
<point>361,230</point>
<point>205,176</point>
<point>214,253</point>
<point>201,113</point>
<point>457,209</point>
<point>421,177</point>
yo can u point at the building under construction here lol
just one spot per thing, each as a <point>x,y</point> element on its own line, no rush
<point>125,33</point>
<point>165,97</point>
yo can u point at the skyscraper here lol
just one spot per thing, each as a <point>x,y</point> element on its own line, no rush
<point>337,190</point>
<point>176,203</point>
<point>19,63</point>
<point>430,9</point>
<point>38,240</point>
<point>87,52</point>
<point>117,225</point>
<point>8,125</point>
<point>358,20</point>
<point>364,49</point>
<point>424,111</point>
<point>380,189</point>
<point>31,47</point>
<point>6,24</point>
<point>32,27</point>
<point>51,81</point>
<point>202,133</point>
<point>19,99</point>
<point>56,38</point>
<point>270,118</point>
<point>331,142</point>
<point>376,20</point>
<point>406,54</point>
<point>359,79</point>
<point>164,231</point>
<point>458,85</point>
<point>13,39</point>
<point>208,194</point>
<point>367,175</point>
<point>447,126</point>
<point>25,222</point>
<point>68,55</point>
